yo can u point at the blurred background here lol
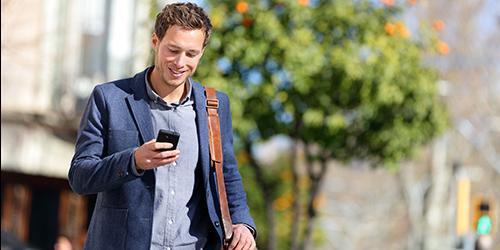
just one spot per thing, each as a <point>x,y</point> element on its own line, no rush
<point>367,124</point>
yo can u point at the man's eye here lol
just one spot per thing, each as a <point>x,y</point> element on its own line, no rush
<point>191,55</point>
<point>173,50</point>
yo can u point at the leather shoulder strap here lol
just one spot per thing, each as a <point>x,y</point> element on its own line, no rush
<point>216,161</point>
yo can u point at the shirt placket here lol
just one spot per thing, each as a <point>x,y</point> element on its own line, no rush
<point>171,192</point>
<point>171,205</point>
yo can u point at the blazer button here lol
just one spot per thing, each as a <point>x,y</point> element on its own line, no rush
<point>217,224</point>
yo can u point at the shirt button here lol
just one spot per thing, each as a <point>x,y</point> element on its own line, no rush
<point>217,224</point>
<point>168,248</point>
<point>172,192</point>
<point>170,222</point>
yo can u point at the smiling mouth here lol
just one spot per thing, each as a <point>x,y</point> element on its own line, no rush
<point>176,73</point>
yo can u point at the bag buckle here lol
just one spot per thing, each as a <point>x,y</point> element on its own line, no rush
<point>213,103</point>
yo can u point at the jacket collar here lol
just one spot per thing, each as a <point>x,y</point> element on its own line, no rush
<point>202,128</point>
<point>139,106</point>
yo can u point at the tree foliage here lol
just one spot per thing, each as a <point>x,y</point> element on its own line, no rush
<point>345,76</point>
<point>356,88</point>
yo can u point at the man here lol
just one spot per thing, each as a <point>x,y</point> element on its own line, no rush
<point>150,197</point>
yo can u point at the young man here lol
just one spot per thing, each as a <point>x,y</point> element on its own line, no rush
<point>149,196</point>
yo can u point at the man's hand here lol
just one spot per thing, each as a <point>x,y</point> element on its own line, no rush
<point>151,155</point>
<point>242,238</point>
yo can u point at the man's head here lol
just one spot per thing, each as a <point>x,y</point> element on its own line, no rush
<point>181,33</point>
<point>188,16</point>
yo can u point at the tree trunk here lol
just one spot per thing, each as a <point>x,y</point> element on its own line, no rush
<point>415,187</point>
<point>271,233</point>
<point>437,218</point>
<point>297,211</point>
<point>316,180</point>
<point>427,192</point>
<point>268,198</point>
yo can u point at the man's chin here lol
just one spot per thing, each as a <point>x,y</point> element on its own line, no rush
<point>177,82</point>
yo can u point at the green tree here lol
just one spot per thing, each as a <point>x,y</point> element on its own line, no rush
<point>343,78</point>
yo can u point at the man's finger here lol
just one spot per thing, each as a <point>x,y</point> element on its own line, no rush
<point>245,243</point>
<point>166,161</point>
<point>235,240</point>
<point>163,146</point>
<point>166,154</point>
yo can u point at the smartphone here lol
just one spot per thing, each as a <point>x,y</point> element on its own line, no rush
<point>168,136</point>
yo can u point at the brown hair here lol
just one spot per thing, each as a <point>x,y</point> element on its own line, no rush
<point>187,15</point>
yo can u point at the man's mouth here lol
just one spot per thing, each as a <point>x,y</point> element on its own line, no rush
<point>176,73</point>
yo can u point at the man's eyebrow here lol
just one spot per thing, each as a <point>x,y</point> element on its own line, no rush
<point>194,51</point>
<point>173,46</point>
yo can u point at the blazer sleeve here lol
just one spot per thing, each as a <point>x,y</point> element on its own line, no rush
<point>237,201</point>
<point>91,170</point>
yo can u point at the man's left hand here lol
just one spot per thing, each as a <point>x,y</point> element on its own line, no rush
<point>242,238</point>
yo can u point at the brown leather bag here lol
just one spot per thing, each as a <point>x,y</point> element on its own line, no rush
<point>216,162</point>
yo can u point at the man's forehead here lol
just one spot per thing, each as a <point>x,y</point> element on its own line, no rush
<point>184,38</point>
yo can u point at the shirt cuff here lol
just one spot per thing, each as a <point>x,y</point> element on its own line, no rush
<point>252,230</point>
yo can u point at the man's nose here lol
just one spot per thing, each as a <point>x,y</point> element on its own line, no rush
<point>180,60</point>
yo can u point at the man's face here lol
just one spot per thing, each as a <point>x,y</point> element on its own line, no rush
<point>177,55</point>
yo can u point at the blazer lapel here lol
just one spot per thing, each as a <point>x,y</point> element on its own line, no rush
<point>202,125</point>
<point>139,107</point>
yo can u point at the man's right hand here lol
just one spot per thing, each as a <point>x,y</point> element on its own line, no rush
<point>153,154</point>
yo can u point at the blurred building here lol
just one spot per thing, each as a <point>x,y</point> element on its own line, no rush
<point>53,53</point>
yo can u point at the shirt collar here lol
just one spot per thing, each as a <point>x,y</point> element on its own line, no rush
<point>153,96</point>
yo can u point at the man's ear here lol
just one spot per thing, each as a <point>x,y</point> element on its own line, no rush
<point>155,41</point>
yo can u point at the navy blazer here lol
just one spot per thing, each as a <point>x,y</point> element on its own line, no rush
<point>117,120</point>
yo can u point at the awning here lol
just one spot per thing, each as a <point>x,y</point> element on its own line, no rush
<point>34,149</point>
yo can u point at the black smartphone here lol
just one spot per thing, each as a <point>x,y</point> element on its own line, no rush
<point>168,136</point>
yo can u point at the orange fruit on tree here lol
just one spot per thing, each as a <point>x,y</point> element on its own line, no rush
<point>438,25</point>
<point>387,2</point>
<point>390,28</point>
<point>442,48</point>
<point>402,30</point>
<point>247,22</point>
<point>242,7</point>
<point>303,2</point>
